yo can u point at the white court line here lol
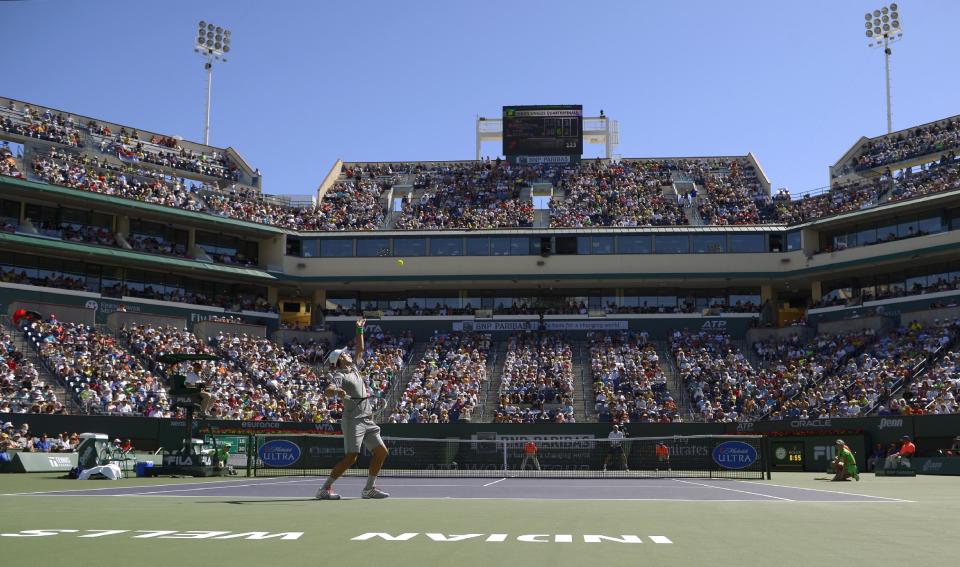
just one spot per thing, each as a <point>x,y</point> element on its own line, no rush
<point>228,481</point>
<point>494,482</point>
<point>308,497</point>
<point>214,487</point>
<point>830,491</point>
<point>735,490</point>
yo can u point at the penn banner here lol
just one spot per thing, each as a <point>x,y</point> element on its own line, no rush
<point>936,465</point>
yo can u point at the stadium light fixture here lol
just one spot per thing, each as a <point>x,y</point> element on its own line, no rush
<point>883,27</point>
<point>212,42</point>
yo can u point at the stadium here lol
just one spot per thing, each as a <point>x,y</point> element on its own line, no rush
<point>628,358</point>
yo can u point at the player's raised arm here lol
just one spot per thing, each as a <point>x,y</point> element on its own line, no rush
<point>358,344</point>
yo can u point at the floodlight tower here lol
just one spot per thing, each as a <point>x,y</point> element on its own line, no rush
<point>213,44</point>
<point>884,23</point>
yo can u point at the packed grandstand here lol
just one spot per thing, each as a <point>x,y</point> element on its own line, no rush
<point>124,245</point>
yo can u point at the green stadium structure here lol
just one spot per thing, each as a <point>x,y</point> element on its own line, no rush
<point>108,226</point>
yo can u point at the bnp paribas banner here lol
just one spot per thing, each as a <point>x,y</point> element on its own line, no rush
<point>487,326</point>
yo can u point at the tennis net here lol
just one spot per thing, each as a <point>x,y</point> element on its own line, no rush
<point>497,455</point>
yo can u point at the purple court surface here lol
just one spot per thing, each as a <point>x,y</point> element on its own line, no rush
<point>699,490</point>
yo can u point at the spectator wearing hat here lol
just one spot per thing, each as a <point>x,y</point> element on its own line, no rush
<point>6,444</point>
<point>903,456</point>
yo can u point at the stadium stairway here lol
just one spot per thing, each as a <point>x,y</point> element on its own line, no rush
<point>750,354</point>
<point>400,384</point>
<point>675,383</point>
<point>916,373</point>
<point>490,400</point>
<point>583,410</point>
<point>693,212</point>
<point>64,395</point>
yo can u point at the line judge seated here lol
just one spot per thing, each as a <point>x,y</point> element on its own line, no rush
<point>902,457</point>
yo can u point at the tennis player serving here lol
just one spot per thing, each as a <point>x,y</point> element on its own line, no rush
<point>357,423</point>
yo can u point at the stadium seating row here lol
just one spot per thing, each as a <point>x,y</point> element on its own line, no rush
<point>908,370</point>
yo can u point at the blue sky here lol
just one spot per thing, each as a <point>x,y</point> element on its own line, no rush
<point>310,82</point>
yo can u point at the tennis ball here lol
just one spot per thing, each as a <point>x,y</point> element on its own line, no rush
<point>400,262</point>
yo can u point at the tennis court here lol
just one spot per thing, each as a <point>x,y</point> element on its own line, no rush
<point>793,519</point>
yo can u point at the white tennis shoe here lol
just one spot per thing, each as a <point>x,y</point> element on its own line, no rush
<point>374,493</point>
<point>327,494</point>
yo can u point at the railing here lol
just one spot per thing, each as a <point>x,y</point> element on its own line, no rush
<point>916,372</point>
<point>45,364</point>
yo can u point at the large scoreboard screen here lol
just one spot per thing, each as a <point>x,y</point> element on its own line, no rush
<point>543,130</point>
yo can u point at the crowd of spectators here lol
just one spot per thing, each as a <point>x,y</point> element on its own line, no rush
<point>857,373</point>
<point>522,308</point>
<point>61,167</point>
<point>893,291</point>
<point>629,385</point>
<point>21,388</point>
<point>8,162</point>
<point>446,384</point>
<point>842,198</point>
<point>628,193</point>
<point>537,380</point>
<point>14,438</point>
<point>726,386</point>
<point>347,206</point>
<point>229,387</point>
<point>129,145</point>
<point>721,382</point>
<point>229,301</point>
<point>73,232</point>
<point>162,151</point>
<point>804,373</point>
<point>732,193</point>
<point>466,195</point>
<point>893,362</point>
<point>923,140</point>
<point>938,390</point>
<point>258,379</point>
<point>155,245</point>
<point>472,195</point>
<point>105,376</point>
<point>483,195</point>
<point>936,177</point>
<point>41,124</point>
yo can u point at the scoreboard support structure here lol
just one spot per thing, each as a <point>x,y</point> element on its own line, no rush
<point>597,130</point>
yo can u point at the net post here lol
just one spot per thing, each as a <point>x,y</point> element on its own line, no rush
<point>765,445</point>
<point>251,453</point>
<point>504,455</point>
